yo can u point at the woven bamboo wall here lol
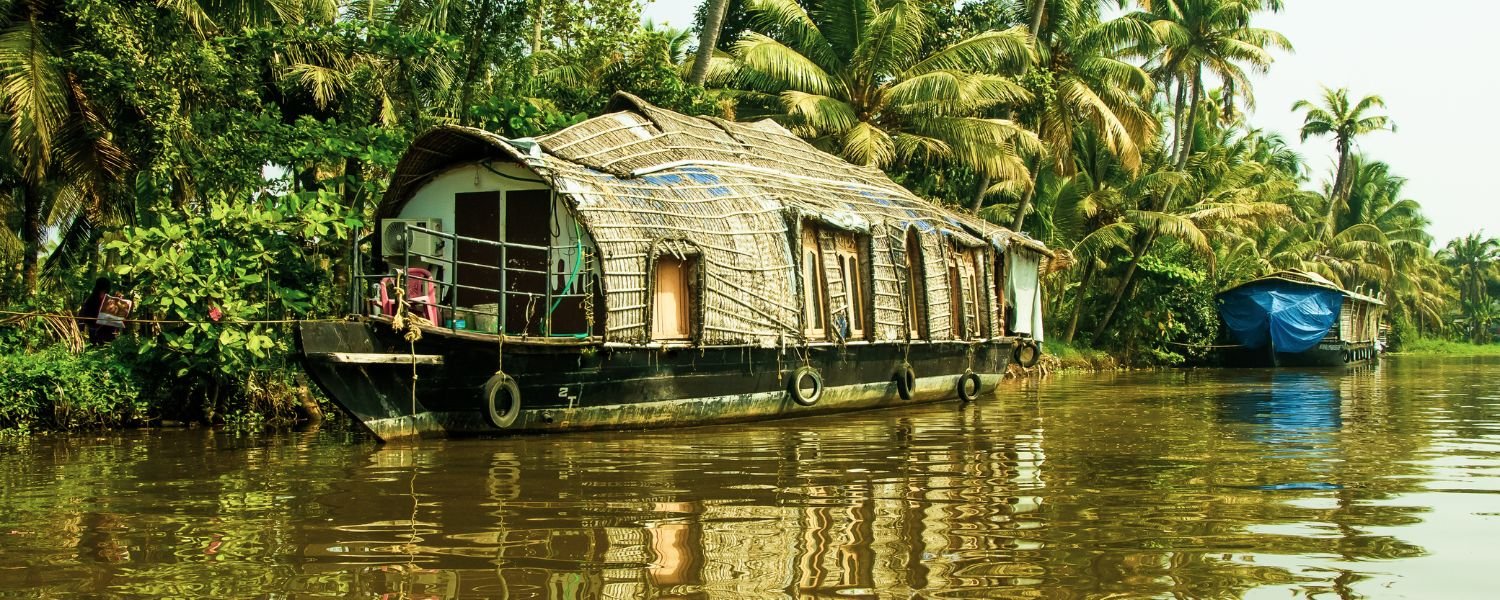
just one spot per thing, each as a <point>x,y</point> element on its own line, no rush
<point>885,254</point>
<point>646,181</point>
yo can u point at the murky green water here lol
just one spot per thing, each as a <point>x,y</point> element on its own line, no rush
<point>1380,483</point>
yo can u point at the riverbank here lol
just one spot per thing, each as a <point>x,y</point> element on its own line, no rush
<point>1437,347</point>
<point>1060,357</point>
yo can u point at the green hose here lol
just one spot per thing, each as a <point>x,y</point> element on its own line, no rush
<point>577,267</point>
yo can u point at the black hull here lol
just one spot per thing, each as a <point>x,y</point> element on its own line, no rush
<point>582,387</point>
<point>1324,355</point>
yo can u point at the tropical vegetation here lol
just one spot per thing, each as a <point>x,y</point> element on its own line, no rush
<point>221,157</point>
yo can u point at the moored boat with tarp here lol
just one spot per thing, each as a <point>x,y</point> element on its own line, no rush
<point>1298,318</point>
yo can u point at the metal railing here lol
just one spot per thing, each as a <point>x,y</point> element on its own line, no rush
<point>447,292</point>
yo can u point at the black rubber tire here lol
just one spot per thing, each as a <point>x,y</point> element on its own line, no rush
<point>503,388</point>
<point>1027,354</point>
<point>968,386</point>
<point>1348,357</point>
<point>800,395</point>
<point>906,382</point>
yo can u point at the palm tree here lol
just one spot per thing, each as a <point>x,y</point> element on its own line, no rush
<point>59,141</point>
<point>1475,261</point>
<point>676,40</point>
<point>1207,35</point>
<point>851,77</point>
<point>1091,85</point>
<point>1223,190</point>
<point>1345,122</point>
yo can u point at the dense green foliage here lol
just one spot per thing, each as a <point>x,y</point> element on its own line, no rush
<point>215,278</point>
<point>56,389</point>
<point>224,155</point>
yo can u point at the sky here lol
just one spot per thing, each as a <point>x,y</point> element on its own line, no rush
<point>1426,64</point>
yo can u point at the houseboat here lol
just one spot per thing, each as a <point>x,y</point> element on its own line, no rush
<point>1299,318</point>
<point>645,268</point>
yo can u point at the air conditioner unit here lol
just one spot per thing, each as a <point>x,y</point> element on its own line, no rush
<point>397,242</point>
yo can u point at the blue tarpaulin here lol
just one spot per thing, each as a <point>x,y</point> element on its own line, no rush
<point>1291,316</point>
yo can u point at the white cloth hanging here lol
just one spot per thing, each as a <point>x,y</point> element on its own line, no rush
<point>1024,292</point>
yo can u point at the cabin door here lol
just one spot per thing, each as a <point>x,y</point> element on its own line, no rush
<point>478,216</point>
<point>528,221</point>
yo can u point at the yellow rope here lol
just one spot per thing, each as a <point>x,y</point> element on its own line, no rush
<point>408,325</point>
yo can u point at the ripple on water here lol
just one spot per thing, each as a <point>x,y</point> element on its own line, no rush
<point>1373,482</point>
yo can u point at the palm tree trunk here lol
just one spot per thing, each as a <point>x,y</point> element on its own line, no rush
<point>1020,217</point>
<point>984,185</point>
<point>707,39</point>
<point>1083,286</point>
<point>31,236</point>
<point>1340,197</point>
<point>1187,139</point>
<point>536,34</point>
<point>1178,115</point>
<point>1036,20</point>
<point>1147,238</point>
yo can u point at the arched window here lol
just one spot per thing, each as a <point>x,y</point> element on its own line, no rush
<point>916,287</point>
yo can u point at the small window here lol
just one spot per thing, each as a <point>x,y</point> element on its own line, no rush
<point>672,315</point>
<point>814,285</point>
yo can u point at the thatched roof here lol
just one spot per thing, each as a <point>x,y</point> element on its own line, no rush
<point>644,180</point>
<point>1311,279</point>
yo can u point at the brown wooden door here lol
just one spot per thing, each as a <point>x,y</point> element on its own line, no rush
<point>478,216</point>
<point>527,221</point>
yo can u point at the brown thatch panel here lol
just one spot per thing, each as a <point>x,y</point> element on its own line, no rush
<point>890,320</point>
<point>992,294</point>
<point>935,268</point>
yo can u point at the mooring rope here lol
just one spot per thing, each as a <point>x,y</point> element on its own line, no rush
<point>64,315</point>
<point>1210,346</point>
<point>408,325</point>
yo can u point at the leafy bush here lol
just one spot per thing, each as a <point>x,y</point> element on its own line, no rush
<point>215,279</point>
<point>1171,318</point>
<point>519,117</point>
<point>60,390</point>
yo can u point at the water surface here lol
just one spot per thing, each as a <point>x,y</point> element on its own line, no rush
<point>1379,482</point>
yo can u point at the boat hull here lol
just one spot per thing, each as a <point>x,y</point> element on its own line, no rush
<point>1327,354</point>
<point>592,387</point>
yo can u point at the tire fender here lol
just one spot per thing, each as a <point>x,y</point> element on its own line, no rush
<point>968,386</point>
<point>906,381</point>
<point>502,399</point>
<point>805,397</point>
<point>1027,353</point>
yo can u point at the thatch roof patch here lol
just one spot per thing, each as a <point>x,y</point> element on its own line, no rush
<point>645,180</point>
<point>1311,279</point>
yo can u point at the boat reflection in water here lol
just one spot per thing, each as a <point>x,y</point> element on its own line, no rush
<point>1292,414</point>
<point>609,518</point>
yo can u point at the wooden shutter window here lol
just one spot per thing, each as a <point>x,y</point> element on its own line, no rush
<point>814,285</point>
<point>849,261</point>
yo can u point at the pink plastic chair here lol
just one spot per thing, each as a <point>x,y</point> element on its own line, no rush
<point>421,295</point>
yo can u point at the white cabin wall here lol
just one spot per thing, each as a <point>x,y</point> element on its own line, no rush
<point>436,199</point>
